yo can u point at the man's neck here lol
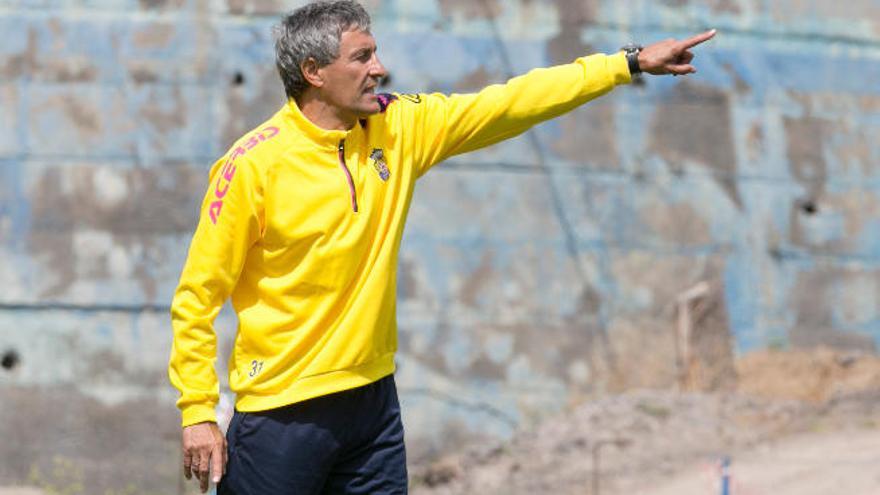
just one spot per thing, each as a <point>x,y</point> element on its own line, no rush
<point>324,115</point>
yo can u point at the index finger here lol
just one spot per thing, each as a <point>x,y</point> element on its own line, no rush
<point>696,40</point>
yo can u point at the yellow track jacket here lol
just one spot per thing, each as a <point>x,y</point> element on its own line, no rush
<point>301,227</point>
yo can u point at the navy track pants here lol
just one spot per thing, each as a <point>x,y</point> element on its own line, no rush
<point>350,442</point>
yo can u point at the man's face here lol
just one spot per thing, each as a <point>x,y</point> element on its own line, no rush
<point>350,81</point>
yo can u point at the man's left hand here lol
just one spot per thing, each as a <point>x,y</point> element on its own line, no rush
<point>672,56</point>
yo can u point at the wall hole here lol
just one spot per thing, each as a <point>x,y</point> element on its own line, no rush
<point>809,207</point>
<point>9,360</point>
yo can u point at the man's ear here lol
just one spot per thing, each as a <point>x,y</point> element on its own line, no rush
<point>311,72</point>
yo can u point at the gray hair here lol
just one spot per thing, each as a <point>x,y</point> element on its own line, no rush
<point>313,31</point>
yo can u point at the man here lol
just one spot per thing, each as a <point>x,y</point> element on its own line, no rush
<point>301,227</point>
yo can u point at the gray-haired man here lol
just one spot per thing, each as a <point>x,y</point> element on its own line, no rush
<point>301,226</point>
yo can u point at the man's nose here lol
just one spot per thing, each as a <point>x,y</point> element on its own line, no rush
<point>377,70</point>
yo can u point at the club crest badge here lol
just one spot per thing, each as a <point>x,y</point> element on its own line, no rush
<point>378,157</point>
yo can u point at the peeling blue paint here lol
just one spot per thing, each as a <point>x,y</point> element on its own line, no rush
<point>633,211</point>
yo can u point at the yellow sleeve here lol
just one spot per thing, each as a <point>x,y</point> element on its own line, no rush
<point>230,223</point>
<point>445,126</point>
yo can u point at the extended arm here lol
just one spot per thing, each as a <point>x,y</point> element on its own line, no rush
<point>444,126</point>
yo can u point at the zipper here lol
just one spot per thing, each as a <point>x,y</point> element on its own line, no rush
<point>354,202</point>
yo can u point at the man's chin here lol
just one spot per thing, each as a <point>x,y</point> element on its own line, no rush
<point>369,107</point>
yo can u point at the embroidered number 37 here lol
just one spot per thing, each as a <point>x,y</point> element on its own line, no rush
<point>256,368</point>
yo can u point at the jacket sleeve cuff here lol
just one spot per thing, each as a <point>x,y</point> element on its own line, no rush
<point>619,68</point>
<point>198,413</point>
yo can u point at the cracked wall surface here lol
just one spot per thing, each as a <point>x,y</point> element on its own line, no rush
<point>532,275</point>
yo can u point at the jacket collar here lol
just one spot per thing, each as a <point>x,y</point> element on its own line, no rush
<point>321,137</point>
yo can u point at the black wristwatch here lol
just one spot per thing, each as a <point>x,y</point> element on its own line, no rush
<point>632,57</point>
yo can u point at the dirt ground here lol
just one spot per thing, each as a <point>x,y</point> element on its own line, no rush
<point>812,463</point>
<point>797,423</point>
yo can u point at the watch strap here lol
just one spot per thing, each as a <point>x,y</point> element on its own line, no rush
<point>632,58</point>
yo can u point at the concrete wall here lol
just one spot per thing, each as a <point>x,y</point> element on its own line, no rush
<point>532,274</point>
